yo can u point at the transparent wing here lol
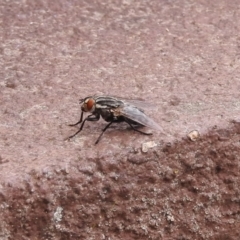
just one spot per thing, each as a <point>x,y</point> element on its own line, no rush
<point>138,116</point>
<point>140,103</point>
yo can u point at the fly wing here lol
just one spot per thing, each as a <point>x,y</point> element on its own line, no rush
<point>135,114</point>
<point>139,103</point>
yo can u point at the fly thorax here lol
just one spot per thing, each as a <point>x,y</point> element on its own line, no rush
<point>116,112</point>
<point>100,106</point>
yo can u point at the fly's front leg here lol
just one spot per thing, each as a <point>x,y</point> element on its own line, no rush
<point>71,125</point>
<point>88,118</point>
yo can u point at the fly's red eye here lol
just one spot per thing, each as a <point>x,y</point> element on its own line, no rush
<point>90,104</point>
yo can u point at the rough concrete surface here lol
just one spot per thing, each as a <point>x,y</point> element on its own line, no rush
<point>182,57</point>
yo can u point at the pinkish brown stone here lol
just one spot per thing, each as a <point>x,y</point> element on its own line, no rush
<point>182,57</point>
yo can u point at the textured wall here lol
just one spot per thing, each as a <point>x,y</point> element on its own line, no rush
<point>182,57</point>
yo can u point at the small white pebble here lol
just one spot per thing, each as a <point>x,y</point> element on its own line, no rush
<point>193,135</point>
<point>147,145</point>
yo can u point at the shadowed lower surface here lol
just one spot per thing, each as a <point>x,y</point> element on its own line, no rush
<point>186,190</point>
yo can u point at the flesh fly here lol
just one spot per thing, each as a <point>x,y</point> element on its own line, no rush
<point>115,110</point>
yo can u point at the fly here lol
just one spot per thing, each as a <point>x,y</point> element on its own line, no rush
<point>114,110</point>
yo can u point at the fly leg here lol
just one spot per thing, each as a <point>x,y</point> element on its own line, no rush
<point>137,129</point>
<point>103,132</point>
<point>71,125</point>
<point>88,118</point>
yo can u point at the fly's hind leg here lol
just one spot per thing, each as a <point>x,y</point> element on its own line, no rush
<point>137,129</point>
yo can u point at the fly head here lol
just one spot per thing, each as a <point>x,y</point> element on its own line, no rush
<point>88,104</point>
